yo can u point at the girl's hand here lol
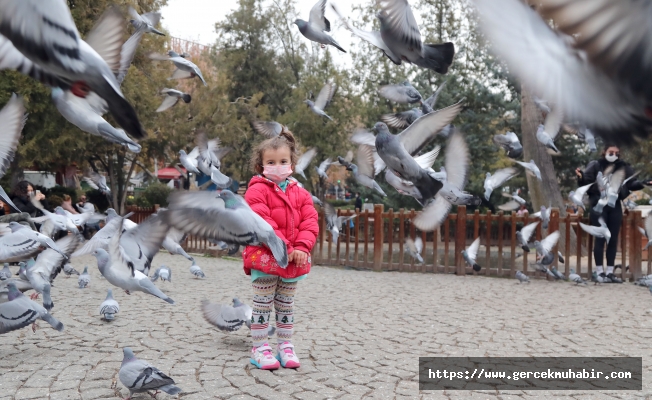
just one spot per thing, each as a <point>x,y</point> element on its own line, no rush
<point>578,172</point>
<point>299,257</point>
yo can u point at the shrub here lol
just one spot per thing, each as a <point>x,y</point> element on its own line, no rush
<point>54,200</point>
<point>98,199</point>
<point>156,193</point>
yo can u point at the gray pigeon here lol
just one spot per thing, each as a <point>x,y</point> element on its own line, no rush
<point>79,113</point>
<point>544,250</point>
<point>162,272</point>
<point>69,270</point>
<point>647,232</point>
<point>583,133</point>
<point>141,243</point>
<point>333,222</point>
<point>363,171</point>
<point>317,202</point>
<point>172,97</point>
<point>523,236</point>
<point>30,236</point>
<point>269,129</point>
<point>509,141</point>
<point>118,268</point>
<point>196,271</point>
<point>19,311</point>
<point>400,33</point>
<point>498,179</point>
<point>531,168</point>
<point>316,27</point>
<point>323,167</point>
<point>64,60</point>
<point>186,69</point>
<point>84,279</point>
<point>323,100</point>
<point>522,277</point>
<point>471,253</point>
<point>403,119</point>
<point>414,248</point>
<point>12,121</point>
<point>598,231</point>
<point>403,93</point>
<point>5,273</point>
<point>599,279</point>
<point>140,377</point>
<point>188,163</point>
<point>146,22</point>
<point>544,216</point>
<point>304,160</point>
<point>557,274</point>
<point>109,307</point>
<point>402,186</point>
<point>172,243</point>
<point>96,181</point>
<point>546,139</point>
<point>224,216</point>
<point>225,317</point>
<point>573,277</point>
<point>102,237</point>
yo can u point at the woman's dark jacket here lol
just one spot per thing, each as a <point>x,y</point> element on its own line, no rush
<point>25,205</point>
<point>590,174</point>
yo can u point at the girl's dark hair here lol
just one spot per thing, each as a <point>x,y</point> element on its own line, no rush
<point>606,147</point>
<point>285,139</point>
<point>21,188</point>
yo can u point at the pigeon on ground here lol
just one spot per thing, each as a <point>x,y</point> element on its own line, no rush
<point>531,168</point>
<point>196,271</point>
<point>471,253</point>
<point>186,69</point>
<point>316,27</point>
<point>84,279</point>
<point>140,377</point>
<point>403,93</point>
<point>647,232</point>
<point>509,141</point>
<point>592,76</point>
<point>323,167</point>
<point>522,277</point>
<point>54,54</point>
<point>5,273</point>
<point>224,216</point>
<point>109,307</point>
<point>557,275</point>
<point>573,277</point>
<point>598,231</point>
<point>269,129</point>
<point>118,268</point>
<point>323,100</point>
<point>19,311</point>
<point>316,201</point>
<point>96,181</point>
<point>172,97</point>
<point>523,236</point>
<point>189,163</point>
<point>162,272</point>
<point>498,179</point>
<point>544,216</point>
<point>414,248</point>
<point>363,171</point>
<point>146,22</point>
<point>333,222</point>
<point>304,160</point>
<point>599,279</point>
<point>400,33</point>
<point>69,270</point>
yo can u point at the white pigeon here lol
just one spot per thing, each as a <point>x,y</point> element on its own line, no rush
<point>577,196</point>
<point>531,168</point>
<point>523,236</point>
<point>323,100</point>
<point>162,272</point>
<point>498,179</point>
<point>471,253</point>
<point>323,167</point>
<point>647,232</point>
<point>598,231</point>
<point>414,248</point>
<point>303,161</point>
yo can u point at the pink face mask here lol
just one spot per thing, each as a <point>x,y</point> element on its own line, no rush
<point>277,173</point>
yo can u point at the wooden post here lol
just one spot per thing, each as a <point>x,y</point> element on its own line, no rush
<point>512,239</point>
<point>460,240</point>
<point>567,245</point>
<point>553,226</point>
<point>322,230</point>
<point>487,244</point>
<point>635,251</point>
<point>401,237</point>
<point>501,222</point>
<point>390,238</point>
<point>378,236</point>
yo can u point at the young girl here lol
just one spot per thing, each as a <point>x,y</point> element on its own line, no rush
<point>288,208</point>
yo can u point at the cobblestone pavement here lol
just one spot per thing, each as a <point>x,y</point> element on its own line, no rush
<point>359,334</point>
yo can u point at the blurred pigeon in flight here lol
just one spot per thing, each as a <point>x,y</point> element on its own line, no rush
<point>172,97</point>
<point>316,27</point>
<point>323,100</point>
<point>186,69</point>
<point>146,22</point>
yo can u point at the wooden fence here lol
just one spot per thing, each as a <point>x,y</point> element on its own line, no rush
<point>377,242</point>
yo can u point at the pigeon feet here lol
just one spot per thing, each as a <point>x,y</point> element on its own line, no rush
<point>114,383</point>
<point>34,327</point>
<point>34,296</point>
<point>154,395</point>
<point>126,291</point>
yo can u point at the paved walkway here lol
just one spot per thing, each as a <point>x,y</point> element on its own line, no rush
<point>358,334</point>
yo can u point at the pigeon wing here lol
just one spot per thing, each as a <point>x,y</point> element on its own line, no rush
<point>528,230</point>
<point>401,23</point>
<point>325,96</point>
<point>106,38</point>
<point>168,102</point>
<point>12,120</point>
<point>305,159</point>
<point>426,127</point>
<point>472,251</point>
<point>502,175</point>
<point>550,241</point>
<point>509,206</point>
<point>426,160</point>
<point>268,129</point>
<point>457,160</point>
<point>317,16</point>
<point>418,244</point>
<point>433,215</point>
<point>365,161</point>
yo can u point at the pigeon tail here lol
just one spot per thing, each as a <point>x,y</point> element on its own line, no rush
<point>279,250</point>
<point>170,389</point>
<point>122,111</point>
<point>186,98</point>
<point>476,267</point>
<point>525,248</point>
<point>337,46</point>
<point>56,324</point>
<point>437,57</point>
<point>109,317</point>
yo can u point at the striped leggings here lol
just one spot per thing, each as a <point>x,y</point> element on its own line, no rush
<point>268,290</point>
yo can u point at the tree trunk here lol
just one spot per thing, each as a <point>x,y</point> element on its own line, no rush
<point>123,198</point>
<point>545,192</point>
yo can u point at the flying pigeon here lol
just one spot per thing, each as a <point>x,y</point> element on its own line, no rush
<point>140,377</point>
<point>316,27</point>
<point>172,97</point>
<point>317,202</point>
<point>522,277</point>
<point>84,279</point>
<point>523,236</point>
<point>109,307</point>
<point>471,253</point>
<point>29,236</point>
<point>647,232</point>
<point>583,133</point>
<point>196,271</point>
<point>323,100</point>
<point>172,243</point>
<point>12,121</point>
<point>403,93</point>
<point>304,161</point>
<point>96,181</point>
<point>577,196</point>
<point>616,180</point>
<point>403,119</point>
<point>54,54</point>
<point>400,33</point>
<point>498,179</point>
<point>598,231</point>
<point>323,167</point>
<point>509,141</point>
<point>209,153</point>
<point>69,270</point>
<point>544,250</point>
<point>414,248</point>
<point>141,243</point>
<point>162,272</point>
<point>225,317</point>
<point>363,171</point>
<point>19,311</point>
<point>188,163</point>
<point>269,129</point>
<point>186,69</point>
<point>333,222</point>
<point>224,216</point>
<point>146,22</point>
<point>544,216</point>
<point>531,168</point>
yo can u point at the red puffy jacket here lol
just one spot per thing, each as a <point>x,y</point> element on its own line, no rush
<point>294,219</point>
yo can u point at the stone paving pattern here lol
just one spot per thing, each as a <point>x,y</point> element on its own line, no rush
<point>358,334</point>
